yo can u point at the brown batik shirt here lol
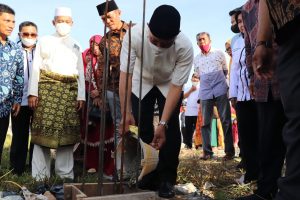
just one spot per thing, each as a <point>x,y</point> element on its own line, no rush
<point>261,86</point>
<point>113,40</point>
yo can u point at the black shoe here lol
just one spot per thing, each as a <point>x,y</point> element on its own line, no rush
<point>252,197</point>
<point>166,190</point>
<point>228,156</point>
<point>206,157</point>
<point>241,165</point>
<point>149,182</point>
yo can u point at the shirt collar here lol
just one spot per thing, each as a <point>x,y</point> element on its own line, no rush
<point>8,42</point>
<point>124,28</point>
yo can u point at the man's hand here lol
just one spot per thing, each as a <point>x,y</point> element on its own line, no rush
<point>97,102</point>
<point>33,102</point>
<point>251,88</point>
<point>193,88</point>
<point>233,102</point>
<point>263,62</point>
<point>159,138</point>
<point>79,105</point>
<point>16,109</point>
<point>94,93</point>
<point>124,126</point>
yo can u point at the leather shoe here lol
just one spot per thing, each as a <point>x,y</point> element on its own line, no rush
<point>228,156</point>
<point>149,182</point>
<point>166,190</point>
<point>241,165</point>
<point>206,157</point>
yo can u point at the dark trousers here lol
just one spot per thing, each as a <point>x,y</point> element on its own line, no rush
<point>246,113</point>
<point>190,125</point>
<point>19,144</point>
<point>271,120</point>
<point>168,155</point>
<point>223,107</point>
<point>288,72</point>
<point>4,122</point>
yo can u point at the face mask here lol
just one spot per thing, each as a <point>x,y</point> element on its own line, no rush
<point>205,48</point>
<point>194,83</point>
<point>63,29</point>
<point>28,42</point>
<point>235,28</point>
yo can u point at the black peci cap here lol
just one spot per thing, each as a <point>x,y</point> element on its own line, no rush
<point>165,22</point>
<point>111,6</point>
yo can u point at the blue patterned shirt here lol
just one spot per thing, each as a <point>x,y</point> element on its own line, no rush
<point>11,76</point>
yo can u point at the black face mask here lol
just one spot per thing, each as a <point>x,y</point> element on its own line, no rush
<point>235,28</point>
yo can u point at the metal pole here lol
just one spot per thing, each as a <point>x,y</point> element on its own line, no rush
<point>140,94</point>
<point>86,126</point>
<point>125,107</point>
<point>103,108</point>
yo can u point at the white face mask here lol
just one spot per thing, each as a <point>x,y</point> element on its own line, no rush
<point>194,83</point>
<point>63,29</point>
<point>28,42</point>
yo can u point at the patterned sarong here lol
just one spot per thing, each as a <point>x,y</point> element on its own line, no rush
<point>56,121</point>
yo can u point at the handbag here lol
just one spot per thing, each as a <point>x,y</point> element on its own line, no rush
<point>94,113</point>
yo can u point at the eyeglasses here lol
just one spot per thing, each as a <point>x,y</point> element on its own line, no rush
<point>33,35</point>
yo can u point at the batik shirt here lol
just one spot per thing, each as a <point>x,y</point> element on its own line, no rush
<point>11,76</point>
<point>285,15</point>
<point>113,40</point>
<point>261,86</point>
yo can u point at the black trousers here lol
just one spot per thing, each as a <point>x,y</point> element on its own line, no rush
<point>246,112</point>
<point>190,125</point>
<point>288,73</point>
<point>223,107</point>
<point>19,145</point>
<point>4,122</point>
<point>168,155</point>
<point>271,120</point>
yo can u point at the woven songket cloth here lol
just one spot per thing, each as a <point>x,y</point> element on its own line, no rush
<point>56,121</point>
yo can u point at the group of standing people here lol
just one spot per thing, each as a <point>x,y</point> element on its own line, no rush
<point>259,94</point>
<point>58,80</point>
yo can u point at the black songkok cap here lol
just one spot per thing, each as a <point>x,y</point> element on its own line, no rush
<point>236,11</point>
<point>165,22</point>
<point>111,6</point>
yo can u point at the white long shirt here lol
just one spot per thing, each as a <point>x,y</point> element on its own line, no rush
<point>239,81</point>
<point>192,107</point>
<point>161,66</point>
<point>60,55</point>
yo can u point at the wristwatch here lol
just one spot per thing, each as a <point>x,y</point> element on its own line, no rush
<point>267,44</point>
<point>163,123</point>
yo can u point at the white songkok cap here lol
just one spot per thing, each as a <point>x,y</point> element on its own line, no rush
<point>63,11</point>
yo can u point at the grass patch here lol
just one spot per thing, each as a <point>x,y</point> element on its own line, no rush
<point>191,169</point>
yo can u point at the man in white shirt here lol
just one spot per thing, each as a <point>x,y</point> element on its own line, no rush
<point>56,93</point>
<point>191,111</point>
<point>21,122</point>
<point>168,58</point>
